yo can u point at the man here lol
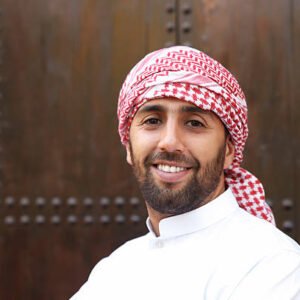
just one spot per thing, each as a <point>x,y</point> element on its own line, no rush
<point>183,120</point>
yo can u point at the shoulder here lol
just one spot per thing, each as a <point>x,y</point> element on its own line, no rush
<point>134,245</point>
<point>259,254</point>
<point>272,261</point>
<point>122,255</point>
<point>258,235</point>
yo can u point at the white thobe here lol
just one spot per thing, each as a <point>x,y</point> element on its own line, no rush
<point>215,252</point>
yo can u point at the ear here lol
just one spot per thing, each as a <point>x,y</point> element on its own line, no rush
<point>128,154</point>
<point>229,153</point>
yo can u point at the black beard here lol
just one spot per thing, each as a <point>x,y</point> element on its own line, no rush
<point>203,183</point>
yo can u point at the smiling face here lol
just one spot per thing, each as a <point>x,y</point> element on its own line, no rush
<point>178,153</point>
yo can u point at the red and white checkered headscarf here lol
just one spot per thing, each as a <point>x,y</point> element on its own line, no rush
<point>191,75</point>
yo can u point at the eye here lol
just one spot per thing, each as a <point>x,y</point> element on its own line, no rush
<point>195,123</point>
<point>152,121</point>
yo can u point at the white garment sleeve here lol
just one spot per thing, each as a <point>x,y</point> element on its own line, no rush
<point>276,277</point>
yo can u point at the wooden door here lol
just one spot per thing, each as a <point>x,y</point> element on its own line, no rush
<point>259,41</point>
<point>68,197</point>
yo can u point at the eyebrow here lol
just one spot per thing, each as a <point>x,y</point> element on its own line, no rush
<point>150,108</point>
<point>194,109</point>
<point>160,108</point>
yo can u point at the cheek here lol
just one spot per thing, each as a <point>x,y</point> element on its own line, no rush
<point>142,139</point>
<point>142,146</point>
<point>205,148</point>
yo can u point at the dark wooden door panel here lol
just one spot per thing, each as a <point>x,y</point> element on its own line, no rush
<point>295,96</point>
<point>68,197</point>
<point>258,42</point>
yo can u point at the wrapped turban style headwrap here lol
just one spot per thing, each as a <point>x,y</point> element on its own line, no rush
<point>188,74</point>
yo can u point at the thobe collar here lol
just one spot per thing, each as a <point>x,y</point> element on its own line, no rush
<point>197,219</point>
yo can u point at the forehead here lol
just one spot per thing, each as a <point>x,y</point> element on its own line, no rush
<point>173,105</point>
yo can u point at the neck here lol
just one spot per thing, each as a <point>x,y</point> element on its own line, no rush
<point>155,216</point>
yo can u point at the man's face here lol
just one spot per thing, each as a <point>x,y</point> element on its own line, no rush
<point>178,153</point>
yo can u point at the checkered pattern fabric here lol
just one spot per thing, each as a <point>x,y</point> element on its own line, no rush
<point>191,75</point>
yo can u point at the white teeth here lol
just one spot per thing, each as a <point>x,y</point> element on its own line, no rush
<point>170,169</point>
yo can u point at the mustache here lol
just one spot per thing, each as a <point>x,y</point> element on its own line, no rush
<point>171,157</point>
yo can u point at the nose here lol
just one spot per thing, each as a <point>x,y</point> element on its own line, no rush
<point>170,138</point>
